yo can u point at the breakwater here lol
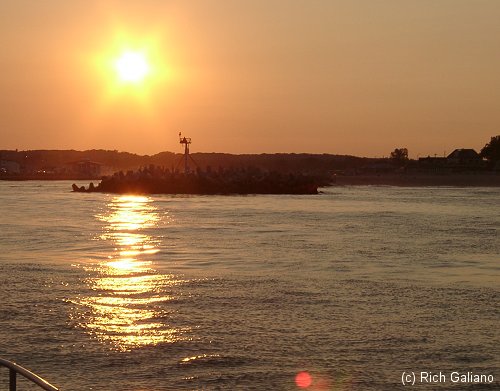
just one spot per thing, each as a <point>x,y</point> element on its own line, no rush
<point>157,180</point>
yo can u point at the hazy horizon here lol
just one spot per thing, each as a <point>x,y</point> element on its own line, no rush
<point>179,152</point>
<point>340,77</point>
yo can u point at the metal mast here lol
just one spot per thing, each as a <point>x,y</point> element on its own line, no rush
<point>186,141</point>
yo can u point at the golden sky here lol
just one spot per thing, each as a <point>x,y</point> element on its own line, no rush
<point>356,77</point>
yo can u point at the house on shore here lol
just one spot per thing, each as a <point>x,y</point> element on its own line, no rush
<point>464,157</point>
<point>85,168</point>
<point>461,159</point>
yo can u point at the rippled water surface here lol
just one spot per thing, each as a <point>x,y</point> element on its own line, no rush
<point>148,293</point>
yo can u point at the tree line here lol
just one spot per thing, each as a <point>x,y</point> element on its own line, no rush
<point>490,152</point>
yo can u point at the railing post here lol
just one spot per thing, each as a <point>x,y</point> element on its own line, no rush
<point>15,369</point>
<point>12,380</point>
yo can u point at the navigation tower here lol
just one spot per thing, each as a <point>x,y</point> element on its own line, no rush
<point>186,141</point>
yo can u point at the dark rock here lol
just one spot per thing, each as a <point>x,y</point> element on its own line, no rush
<point>155,180</point>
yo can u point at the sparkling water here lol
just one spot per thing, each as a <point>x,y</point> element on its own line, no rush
<point>344,290</point>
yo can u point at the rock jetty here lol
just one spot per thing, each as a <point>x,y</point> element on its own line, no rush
<point>157,180</point>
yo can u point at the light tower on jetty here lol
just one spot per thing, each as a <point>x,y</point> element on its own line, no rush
<point>186,141</point>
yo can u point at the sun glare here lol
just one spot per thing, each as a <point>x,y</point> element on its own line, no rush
<point>132,67</point>
<point>131,70</point>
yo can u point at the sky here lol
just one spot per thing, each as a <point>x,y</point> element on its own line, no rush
<point>356,77</point>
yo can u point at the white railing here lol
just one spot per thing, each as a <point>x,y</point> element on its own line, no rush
<point>15,369</point>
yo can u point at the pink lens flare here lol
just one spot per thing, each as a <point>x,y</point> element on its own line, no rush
<point>303,379</point>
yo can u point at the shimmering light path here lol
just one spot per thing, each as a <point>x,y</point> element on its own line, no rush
<point>123,309</point>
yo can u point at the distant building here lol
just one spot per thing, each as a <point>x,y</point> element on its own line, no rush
<point>464,157</point>
<point>86,168</point>
<point>9,167</point>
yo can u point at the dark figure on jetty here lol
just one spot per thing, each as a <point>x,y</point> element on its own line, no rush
<point>157,180</point>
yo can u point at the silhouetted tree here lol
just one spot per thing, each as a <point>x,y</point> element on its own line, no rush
<point>400,155</point>
<point>491,150</point>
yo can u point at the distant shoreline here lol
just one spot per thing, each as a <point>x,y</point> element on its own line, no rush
<point>22,178</point>
<point>420,179</point>
<point>490,179</point>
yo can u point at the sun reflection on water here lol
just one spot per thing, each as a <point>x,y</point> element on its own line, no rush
<point>128,306</point>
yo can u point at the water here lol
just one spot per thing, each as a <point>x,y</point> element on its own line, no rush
<point>353,286</point>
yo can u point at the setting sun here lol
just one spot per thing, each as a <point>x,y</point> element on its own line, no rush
<point>132,67</point>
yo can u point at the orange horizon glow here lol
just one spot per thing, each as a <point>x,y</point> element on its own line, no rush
<point>353,78</point>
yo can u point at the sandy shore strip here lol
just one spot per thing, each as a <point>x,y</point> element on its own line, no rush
<point>419,179</point>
